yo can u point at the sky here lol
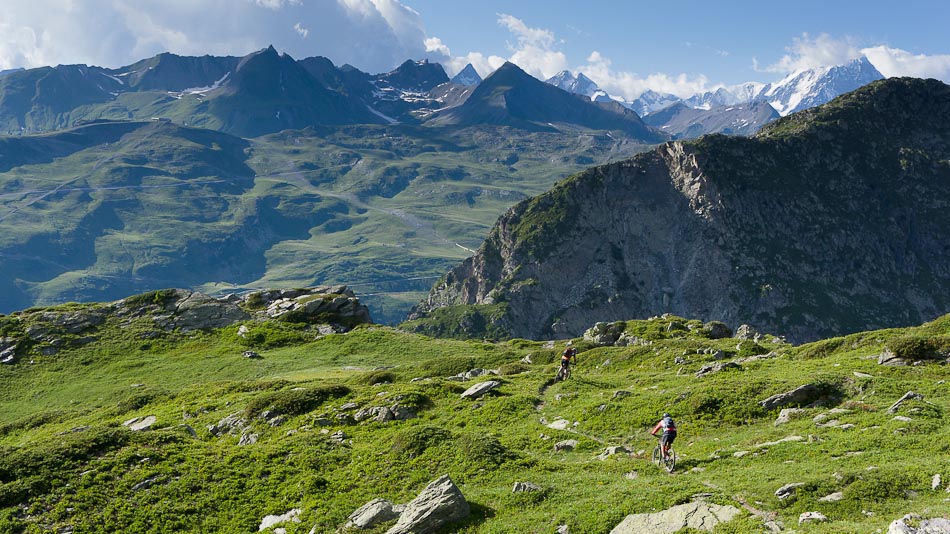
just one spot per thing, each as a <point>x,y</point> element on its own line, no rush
<point>627,47</point>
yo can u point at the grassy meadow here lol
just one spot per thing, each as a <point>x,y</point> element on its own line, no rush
<point>67,460</point>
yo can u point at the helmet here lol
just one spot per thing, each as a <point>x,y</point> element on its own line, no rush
<point>665,415</point>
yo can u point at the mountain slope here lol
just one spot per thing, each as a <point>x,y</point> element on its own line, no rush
<point>808,88</point>
<point>773,231</point>
<point>141,415</point>
<point>510,96</point>
<point>682,121</point>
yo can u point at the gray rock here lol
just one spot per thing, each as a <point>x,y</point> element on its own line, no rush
<point>521,487</point>
<point>613,450</point>
<point>812,517</point>
<point>903,525</point>
<point>141,423</point>
<point>711,368</point>
<point>620,394</point>
<point>438,504</point>
<point>480,389</point>
<point>371,514</point>
<point>339,436</point>
<point>787,414</point>
<point>251,355</point>
<point>699,515</point>
<point>248,439</point>
<point>147,483</point>
<point>910,395</point>
<point>746,332</point>
<point>605,334</point>
<point>717,330</point>
<point>348,407</point>
<point>229,425</point>
<point>566,445</point>
<point>271,520</point>
<point>401,413</point>
<point>832,497</point>
<point>788,490</point>
<point>801,395</point>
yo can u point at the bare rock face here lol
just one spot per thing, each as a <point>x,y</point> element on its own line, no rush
<point>699,515</point>
<point>800,395</point>
<point>371,514</point>
<point>773,228</point>
<point>913,524</point>
<point>438,504</point>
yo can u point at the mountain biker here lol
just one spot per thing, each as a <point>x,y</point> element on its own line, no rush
<point>569,353</point>
<point>668,427</point>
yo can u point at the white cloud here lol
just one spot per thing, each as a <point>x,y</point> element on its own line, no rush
<point>373,35</point>
<point>897,62</point>
<point>629,85</point>
<point>535,48</point>
<point>806,52</point>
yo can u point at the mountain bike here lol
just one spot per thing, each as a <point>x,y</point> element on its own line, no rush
<point>563,373</point>
<point>667,463</point>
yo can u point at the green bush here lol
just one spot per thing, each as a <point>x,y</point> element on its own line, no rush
<point>413,441</point>
<point>919,347</point>
<point>139,400</point>
<point>446,366</point>
<point>544,356</point>
<point>375,377</point>
<point>482,449</point>
<point>294,401</point>
<point>882,484</point>
<point>749,348</point>
<point>271,334</point>
<point>821,349</point>
<point>513,369</point>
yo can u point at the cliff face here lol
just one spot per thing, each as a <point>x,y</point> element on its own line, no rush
<point>828,221</point>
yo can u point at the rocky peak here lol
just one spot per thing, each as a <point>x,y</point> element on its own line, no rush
<point>819,226</point>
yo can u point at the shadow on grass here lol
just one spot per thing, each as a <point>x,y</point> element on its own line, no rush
<point>479,514</point>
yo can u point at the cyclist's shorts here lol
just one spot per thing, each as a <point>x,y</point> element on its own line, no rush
<point>667,438</point>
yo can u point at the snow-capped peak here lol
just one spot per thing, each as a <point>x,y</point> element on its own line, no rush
<point>811,87</point>
<point>580,84</point>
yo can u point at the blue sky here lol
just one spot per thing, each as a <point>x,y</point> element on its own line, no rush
<point>625,46</point>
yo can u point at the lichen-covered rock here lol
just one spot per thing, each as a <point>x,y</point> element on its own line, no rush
<point>371,514</point>
<point>439,504</point>
<point>699,515</point>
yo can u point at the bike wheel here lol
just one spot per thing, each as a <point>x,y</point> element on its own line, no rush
<point>657,455</point>
<point>670,462</point>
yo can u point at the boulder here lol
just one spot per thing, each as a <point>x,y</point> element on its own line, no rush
<point>198,311</point>
<point>371,514</point>
<point>229,425</point>
<point>698,515</point>
<point>613,450</point>
<point>787,414</point>
<point>805,394</point>
<point>141,423</point>
<point>788,490</point>
<point>248,439</point>
<point>910,395</point>
<point>605,333</point>
<point>747,332</point>
<point>438,504</point>
<point>716,367</point>
<point>271,520</point>
<point>251,355</point>
<point>812,517</point>
<point>717,330</point>
<point>566,445</point>
<point>480,389</point>
<point>913,524</point>
<point>832,497</point>
<point>521,487</point>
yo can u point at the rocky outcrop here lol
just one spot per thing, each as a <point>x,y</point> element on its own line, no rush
<point>439,504</point>
<point>772,230</point>
<point>371,514</point>
<point>801,395</point>
<point>913,524</point>
<point>699,515</point>
<point>480,389</point>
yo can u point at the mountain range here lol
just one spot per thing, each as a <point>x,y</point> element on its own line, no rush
<point>799,90</point>
<point>827,221</point>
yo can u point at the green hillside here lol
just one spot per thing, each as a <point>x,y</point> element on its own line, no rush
<point>113,208</point>
<point>68,461</point>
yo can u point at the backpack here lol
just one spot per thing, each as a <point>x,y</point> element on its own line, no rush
<point>669,425</point>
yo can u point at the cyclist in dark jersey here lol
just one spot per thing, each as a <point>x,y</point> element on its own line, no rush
<point>569,353</point>
<point>668,427</point>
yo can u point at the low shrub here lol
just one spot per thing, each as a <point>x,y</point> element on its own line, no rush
<point>482,449</point>
<point>919,347</point>
<point>375,377</point>
<point>294,401</point>
<point>513,369</point>
<point>446,366</point>
<point>413,441</point>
